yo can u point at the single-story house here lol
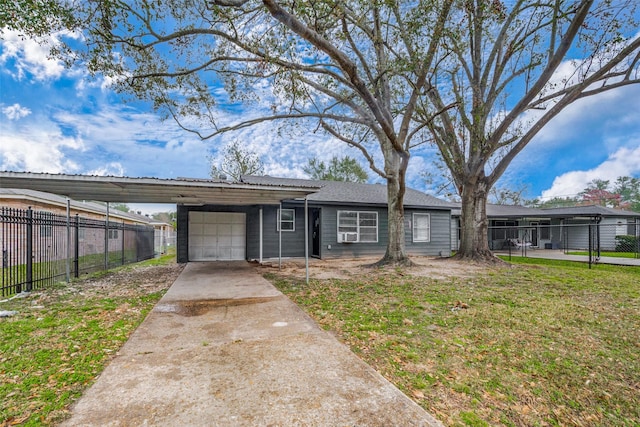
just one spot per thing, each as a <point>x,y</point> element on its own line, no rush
<point>553,228</point>
<point>344,220</point>
<point>40,201</point>
<point>264,217</point>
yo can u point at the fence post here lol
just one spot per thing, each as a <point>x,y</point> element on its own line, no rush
<point>106,240</point>
<point>76,254</point>
<point>590,244</point>
<point>122,237</point>
<point>29,245</point>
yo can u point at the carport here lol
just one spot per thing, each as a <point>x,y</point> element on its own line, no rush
<point>181,191</point>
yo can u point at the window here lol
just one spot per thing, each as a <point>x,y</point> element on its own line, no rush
<point>113,233</point>
<point>287,220</point>
<point>421,227</point>
<point>358,226</point>
<point>545,230</point>
<point>503,230</point>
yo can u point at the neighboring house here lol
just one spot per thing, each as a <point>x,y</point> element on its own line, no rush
<point>553,228</point>
<point>57,205</point>
<point>344,220</point>
<point>610,224</point>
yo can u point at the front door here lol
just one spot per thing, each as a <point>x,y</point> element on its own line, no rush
<point>315,232</point>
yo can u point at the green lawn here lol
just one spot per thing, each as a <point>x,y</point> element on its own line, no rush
<point>62,337</point>
<point>535,345</point>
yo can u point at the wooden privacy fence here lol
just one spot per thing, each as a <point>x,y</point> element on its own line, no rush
<point>42,248</point>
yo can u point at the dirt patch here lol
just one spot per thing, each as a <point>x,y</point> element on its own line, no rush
<point>433,267</point>
<point>128,282</point>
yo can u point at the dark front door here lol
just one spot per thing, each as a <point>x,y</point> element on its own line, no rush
<point>315,232</point>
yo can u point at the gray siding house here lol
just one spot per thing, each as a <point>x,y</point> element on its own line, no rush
<point>344,220</point>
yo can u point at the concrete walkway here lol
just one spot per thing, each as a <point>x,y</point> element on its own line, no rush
<point>223,347</point>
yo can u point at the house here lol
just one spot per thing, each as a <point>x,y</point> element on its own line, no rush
<point>610,224</point>
<point>553,228</point>
<point>265,217</point>
<point>343,219</point>
<point>57,205</point>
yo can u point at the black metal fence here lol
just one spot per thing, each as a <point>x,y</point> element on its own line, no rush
<point>41,248</point>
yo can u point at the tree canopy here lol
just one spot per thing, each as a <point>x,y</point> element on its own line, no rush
<point>479,79</point>
<point>358,71</point>
<point>339,169</point>
<point>509,68</point>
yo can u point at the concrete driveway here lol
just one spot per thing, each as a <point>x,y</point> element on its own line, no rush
<point>223,347</point>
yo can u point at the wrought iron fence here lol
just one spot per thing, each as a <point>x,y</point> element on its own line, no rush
<point>41,248</point>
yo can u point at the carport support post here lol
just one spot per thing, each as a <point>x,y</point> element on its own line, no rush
<point>280,238</point>
<point>261,234</point>
<point>306,238</point>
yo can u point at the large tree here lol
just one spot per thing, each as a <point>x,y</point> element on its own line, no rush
<point>510,68</point>
<point>359,70</point>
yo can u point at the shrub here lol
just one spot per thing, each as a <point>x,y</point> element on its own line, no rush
<point>626,243</point>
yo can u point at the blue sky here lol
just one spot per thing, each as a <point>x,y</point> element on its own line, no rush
<point>58,120</point>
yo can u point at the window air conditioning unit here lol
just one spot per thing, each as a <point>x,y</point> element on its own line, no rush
<point>347,237</point>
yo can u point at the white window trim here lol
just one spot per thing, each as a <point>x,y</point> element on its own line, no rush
<point>292,221</point>
<point>413,227</point>
<point>377,227</point>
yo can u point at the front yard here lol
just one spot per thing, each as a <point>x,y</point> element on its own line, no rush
<point>529,345</point>
<point>553,344</point>
<point>59,339</point>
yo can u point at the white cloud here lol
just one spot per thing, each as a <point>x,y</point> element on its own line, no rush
<point>624,162</point>
<point>31,57</point>
<point>37,150</point>
<point>16,112</point>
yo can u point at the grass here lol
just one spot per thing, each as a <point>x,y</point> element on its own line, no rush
<point>59,342</point>
<point>536,345</point>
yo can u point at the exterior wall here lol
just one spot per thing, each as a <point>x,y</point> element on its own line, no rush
<point>440,243</point>
<point>293,241</point>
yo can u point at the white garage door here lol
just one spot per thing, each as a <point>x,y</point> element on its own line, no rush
<point>216,236</point>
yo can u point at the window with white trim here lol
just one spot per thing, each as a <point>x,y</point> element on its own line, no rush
<point>363,224</point>
<point>287,220</point>
<point>421,227</point>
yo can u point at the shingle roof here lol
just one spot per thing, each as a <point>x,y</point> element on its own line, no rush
<point>511,211</point>
<point>334,192</point>
<point>591,210</point>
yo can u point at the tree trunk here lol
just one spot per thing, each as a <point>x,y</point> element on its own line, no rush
<point>395,168</point>
<point>474,237</point>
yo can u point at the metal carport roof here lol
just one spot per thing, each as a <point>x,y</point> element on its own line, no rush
<point>154,190</point>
